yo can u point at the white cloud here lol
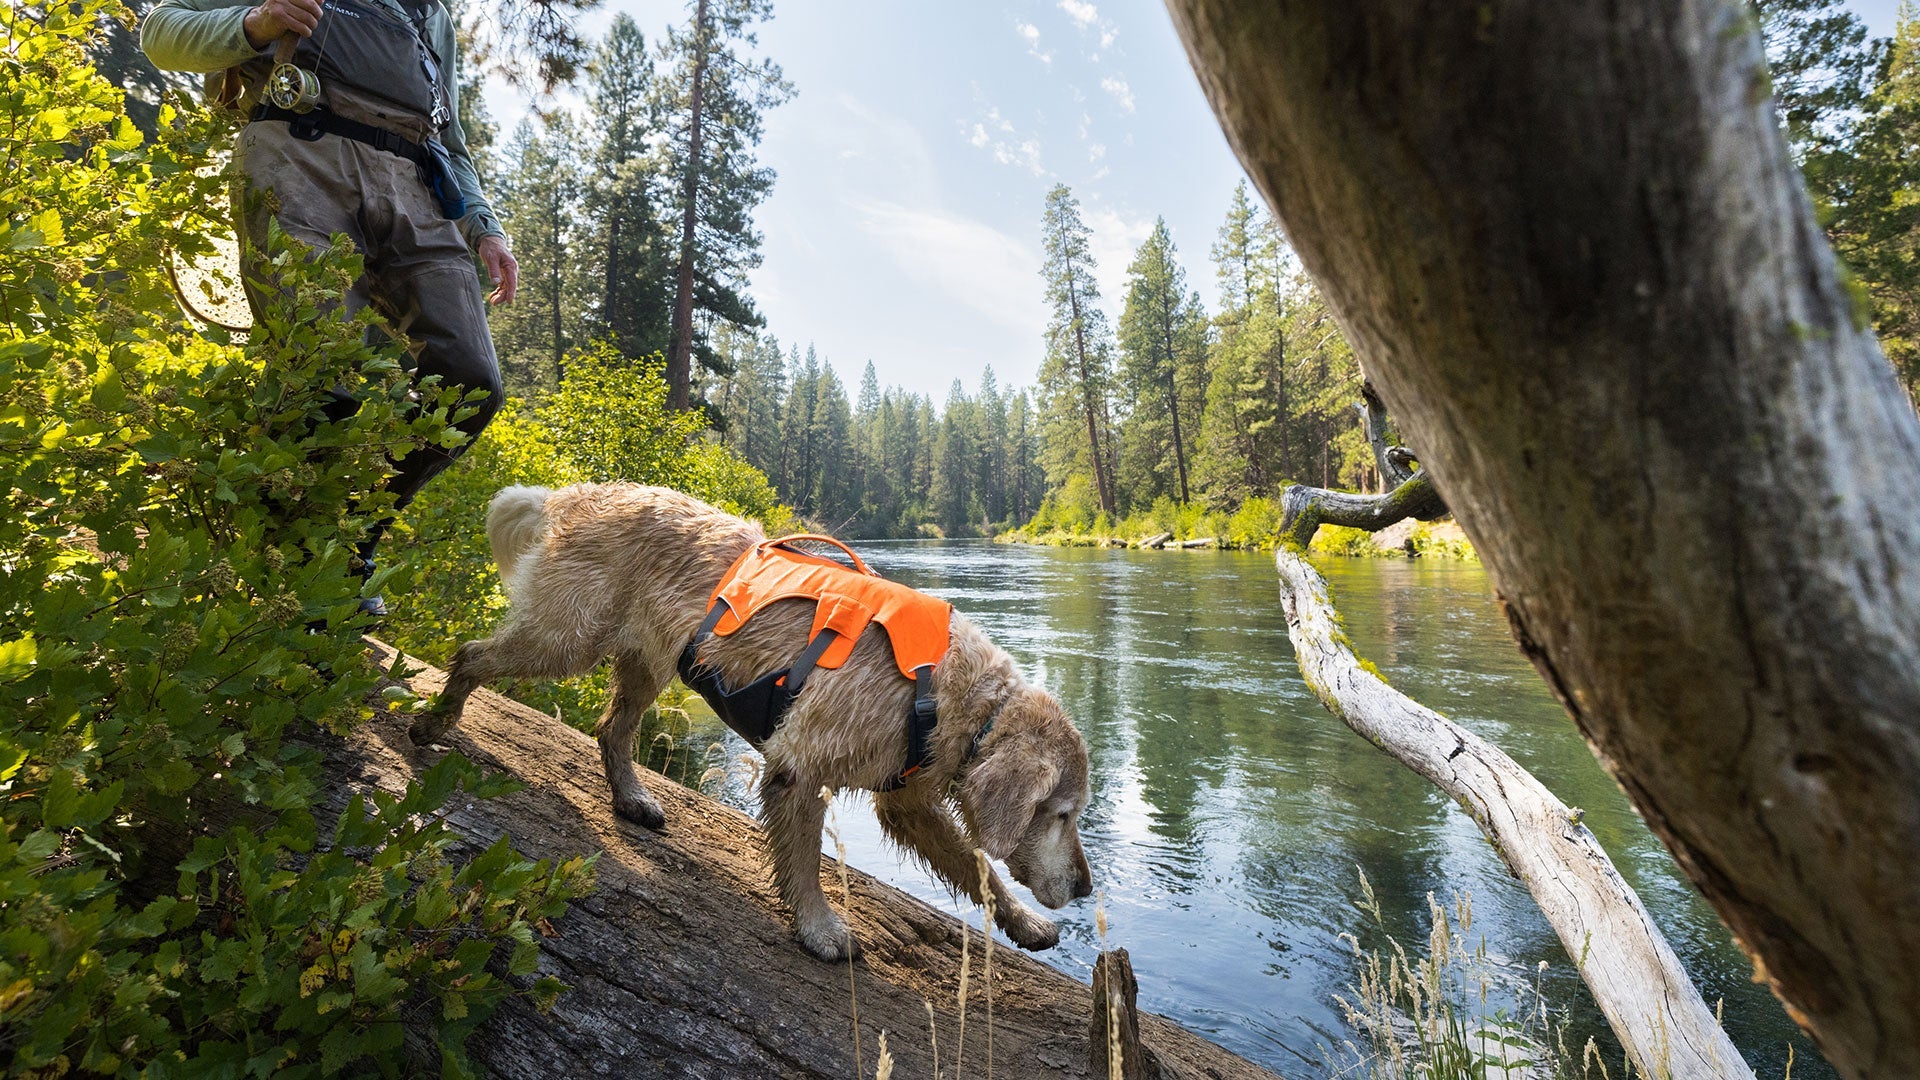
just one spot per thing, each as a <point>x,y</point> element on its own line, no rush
<point>1120,91</point>
<point>1096,151</point>
<point>972,264</point>
<point>1031,35</point>
<point>1008,145</point>
<point>1081,12</point>
<point>1115,238</point>
<point>1106,37</point>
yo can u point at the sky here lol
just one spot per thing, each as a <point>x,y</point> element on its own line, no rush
<point>915,158</point>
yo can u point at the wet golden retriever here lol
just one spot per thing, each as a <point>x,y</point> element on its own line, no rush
<point>625,571</point>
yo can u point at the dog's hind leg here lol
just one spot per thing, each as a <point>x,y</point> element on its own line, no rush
<point>794,814</point>
<point>517,649</point>
<point>635,685</point>
<point>930,832</point>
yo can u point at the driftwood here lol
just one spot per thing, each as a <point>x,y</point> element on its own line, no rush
<point>1113,1038</point>
<point>681,962</point>
<point>1157,540</point>
<point>1304,509</point>
<point>1636,979</point>
<point>1198,542</point>
<point>1394,463</point>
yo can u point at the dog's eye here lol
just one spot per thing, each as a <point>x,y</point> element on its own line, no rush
<point>1065,816</point>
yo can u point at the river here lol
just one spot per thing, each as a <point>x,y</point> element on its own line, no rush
<point>1232,815</point>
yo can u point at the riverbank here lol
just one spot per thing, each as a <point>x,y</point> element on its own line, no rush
<point>1407,539</point>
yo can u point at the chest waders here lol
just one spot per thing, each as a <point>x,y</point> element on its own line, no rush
<point>845,602</point>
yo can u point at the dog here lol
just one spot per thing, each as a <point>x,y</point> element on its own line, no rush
<point>626,571</point>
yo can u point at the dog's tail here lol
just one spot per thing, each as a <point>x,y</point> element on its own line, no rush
<point>515,520</point>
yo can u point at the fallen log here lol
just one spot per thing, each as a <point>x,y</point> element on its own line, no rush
<point>1156,541</point>
<point>682,963</point>
<point>1646,996</point>
<point>1304,509</point>
<point>1198,542</point>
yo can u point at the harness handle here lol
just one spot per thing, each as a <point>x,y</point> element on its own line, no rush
<point>788,542</point>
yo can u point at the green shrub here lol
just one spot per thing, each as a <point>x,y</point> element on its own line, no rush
<point>178,513</point>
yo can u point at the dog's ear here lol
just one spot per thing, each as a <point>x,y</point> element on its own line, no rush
<point>1001,795</point>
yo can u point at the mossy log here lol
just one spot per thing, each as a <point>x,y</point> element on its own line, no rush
<point>1636,979</point>
<point>682,963</point>
<point>1304,509</point>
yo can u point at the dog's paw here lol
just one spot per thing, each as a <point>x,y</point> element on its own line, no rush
<point>830,941</point>
<point>641,809</point>
<point>1031,932</point>
<point>429,728</point>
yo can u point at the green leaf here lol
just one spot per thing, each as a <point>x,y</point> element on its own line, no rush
<point>17,657</point>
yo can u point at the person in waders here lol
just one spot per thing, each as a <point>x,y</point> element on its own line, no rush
<point>354,126</point>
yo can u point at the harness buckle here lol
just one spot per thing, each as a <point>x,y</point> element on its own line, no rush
<point>306,127</point>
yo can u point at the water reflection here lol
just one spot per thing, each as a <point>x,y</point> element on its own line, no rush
<point>1230,811</point>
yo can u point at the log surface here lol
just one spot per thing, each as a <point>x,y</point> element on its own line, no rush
<point>1647,997</point>
<point>682,962</point>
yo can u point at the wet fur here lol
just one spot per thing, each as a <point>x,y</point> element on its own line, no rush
<point>623,571</point>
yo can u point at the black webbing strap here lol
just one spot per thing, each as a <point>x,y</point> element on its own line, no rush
<point>920,723</point>
<point>803,666</point>
<point>309,126</point>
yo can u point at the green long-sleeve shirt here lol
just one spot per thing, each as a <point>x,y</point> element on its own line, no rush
<point>206,35</point>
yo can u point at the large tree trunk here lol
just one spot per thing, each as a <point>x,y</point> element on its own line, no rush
<point>1646,996</point>
<point>682,962</point>
<point>1569,246</point>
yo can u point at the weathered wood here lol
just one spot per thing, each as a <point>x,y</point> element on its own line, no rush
<point>682,962</point>
<point>1636,979</point>
<point>1114,1048</point>
<point>1157,540</point>
<point>1393,463</point>
<point>1571,250</point>
<point>1198,542</point>
<point>1304,509</point>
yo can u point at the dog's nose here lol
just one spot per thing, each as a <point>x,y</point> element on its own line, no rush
<point>1082,888</point>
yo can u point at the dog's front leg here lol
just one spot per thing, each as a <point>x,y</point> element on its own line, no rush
<point>794,814</point>
<point>931,832</point>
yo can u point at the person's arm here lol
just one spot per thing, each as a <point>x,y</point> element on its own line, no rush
<point>208,35</point>
<point>480,226</point>
<point>197,35</point>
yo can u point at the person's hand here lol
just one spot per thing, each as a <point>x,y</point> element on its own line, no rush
<point>501,269</point>
<point>265,24</point>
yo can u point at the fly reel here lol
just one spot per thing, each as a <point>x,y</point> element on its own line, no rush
<point>290,86</point>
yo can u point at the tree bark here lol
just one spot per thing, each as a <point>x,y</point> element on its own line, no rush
<point>682,962</point>
<point>679,373</point>
<point>1567,242</point>
<point>1636,979</point>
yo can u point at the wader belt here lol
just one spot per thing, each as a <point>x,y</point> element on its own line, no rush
<point>755,710</point>
<point>309,126</point>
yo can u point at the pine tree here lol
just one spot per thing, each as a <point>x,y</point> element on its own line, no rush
<point>1076,377</point>
<point>1866,190</point>
<point>1163,368</point>
<point>633,301</point>
<point>709,99</point>
<point>834,497</point>
<point>990,428</point>
<point>797,475</point>
<point>539,197</point>
<point>953,468</point>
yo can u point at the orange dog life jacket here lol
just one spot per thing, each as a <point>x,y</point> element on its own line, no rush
<point>845,602</point>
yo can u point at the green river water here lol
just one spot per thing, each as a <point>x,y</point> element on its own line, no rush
<point>1232,814</point>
